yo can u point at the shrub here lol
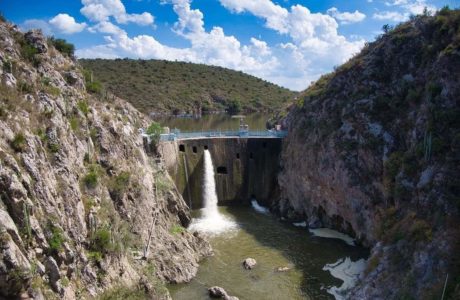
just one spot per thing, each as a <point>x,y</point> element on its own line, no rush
<point>91,179</point>
<point>433,89</point>
<point>3,113</point>
<point>101,240</point>
<point>234,106</point>
<point>52,90</point>
<point>393,164</point>
<point>28,52</point>
<point>421,231</point>
<point>56,240</point>
<point>74,123</point>
<point>19,142</point>
<point>154,130</point>
<point>24,87</point>
<point>162,184</point>
<point>176,229</point>
<point>62,46</point>
<point>120,183</point>
<point>83,107</point>
<point>42,135</point>
<point>94,87</point>
<point>54,147</point>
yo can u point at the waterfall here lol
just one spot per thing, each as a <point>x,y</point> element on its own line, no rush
<point>211,220</point>
<point>209,188</point>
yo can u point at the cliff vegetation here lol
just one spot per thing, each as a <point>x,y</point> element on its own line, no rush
<point>373,150</point>
<point>84,211</point>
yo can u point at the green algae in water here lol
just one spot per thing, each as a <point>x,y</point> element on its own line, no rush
<point>273,244</point>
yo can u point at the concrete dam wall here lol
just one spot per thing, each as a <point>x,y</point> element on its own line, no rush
<point>245,168</point>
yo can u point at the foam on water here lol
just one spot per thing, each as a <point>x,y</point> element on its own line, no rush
<point>329,233</point>
<point>346,270</point>
<point>211,220</point>
<point>300,224</point>
<point>259,208</point>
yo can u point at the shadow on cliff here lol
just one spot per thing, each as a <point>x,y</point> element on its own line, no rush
<point>304,251</point>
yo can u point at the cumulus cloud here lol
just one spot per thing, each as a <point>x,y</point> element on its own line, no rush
<point>346,17</point>
<point>102,10</point>
<point>274,15</point>
<point>390,16</point>
<point>406,9</point>
<point>66,24</point>
<point>36,24</point>
<point>315,46</point>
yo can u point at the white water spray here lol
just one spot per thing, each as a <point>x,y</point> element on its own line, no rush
<point>211,221</point>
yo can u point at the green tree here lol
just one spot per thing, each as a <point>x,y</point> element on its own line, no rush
<point>62,46</point>
<point>154,130</point>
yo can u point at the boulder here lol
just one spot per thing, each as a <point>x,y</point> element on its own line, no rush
<point>36,39</point>
<point>54,275</point>
<point>218,292</point>
<point>74,79</point>
<point>249,263</point>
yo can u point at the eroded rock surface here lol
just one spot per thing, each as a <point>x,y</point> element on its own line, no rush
<point>373,151</point>
<point>80,198</point>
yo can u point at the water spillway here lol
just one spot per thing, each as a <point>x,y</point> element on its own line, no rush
<point>211,220</point>
<point>244,168</point>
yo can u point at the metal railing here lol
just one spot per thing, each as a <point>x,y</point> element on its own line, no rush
<point>178,135</point>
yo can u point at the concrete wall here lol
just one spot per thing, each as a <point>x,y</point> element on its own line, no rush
<point>250,165</point>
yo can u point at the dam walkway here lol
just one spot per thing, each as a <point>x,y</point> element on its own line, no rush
<point>178,135</point>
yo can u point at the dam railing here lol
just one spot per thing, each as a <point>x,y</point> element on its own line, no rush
<point>178,135</point>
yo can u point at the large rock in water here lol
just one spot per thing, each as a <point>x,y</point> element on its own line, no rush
<point>218,292</point>
<point>249,263</point>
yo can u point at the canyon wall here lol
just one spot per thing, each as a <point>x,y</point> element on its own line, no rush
<point>373,150</point>
<point>84,210</point>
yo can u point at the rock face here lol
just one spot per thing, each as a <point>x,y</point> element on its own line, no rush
<point>373,151</point>
<point>249,263</point>
<point>79,197</point>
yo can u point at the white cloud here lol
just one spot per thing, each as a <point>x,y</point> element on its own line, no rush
<point>108,28</point>
<point>390,16</point>
<point>36,24</point>
<point>407,8</point>
<point>274,15</point>
<point>66,24</point>
<point>346,17</point>
<point>315,45</point>
<point>102,10</point>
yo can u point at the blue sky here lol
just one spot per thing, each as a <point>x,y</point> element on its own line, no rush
<point>288,42</point>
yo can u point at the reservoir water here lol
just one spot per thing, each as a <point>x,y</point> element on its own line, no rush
<point>256,121</point>
<point>314,264</point>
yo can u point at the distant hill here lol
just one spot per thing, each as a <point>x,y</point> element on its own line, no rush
<point>165,86</point>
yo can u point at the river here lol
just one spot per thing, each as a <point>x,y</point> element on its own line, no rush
<point>317,267</point>
<point>273,244</point>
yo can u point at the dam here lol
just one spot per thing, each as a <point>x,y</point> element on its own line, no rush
<point>246,164</point>
<point>229,180</point>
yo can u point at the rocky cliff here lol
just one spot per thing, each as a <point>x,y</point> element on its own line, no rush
<point>374,150</point>
<point>83,210</point>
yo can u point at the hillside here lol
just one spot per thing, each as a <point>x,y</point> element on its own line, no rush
<point>84,211</point>
<point>165,86</point>
<point>374,150</point>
